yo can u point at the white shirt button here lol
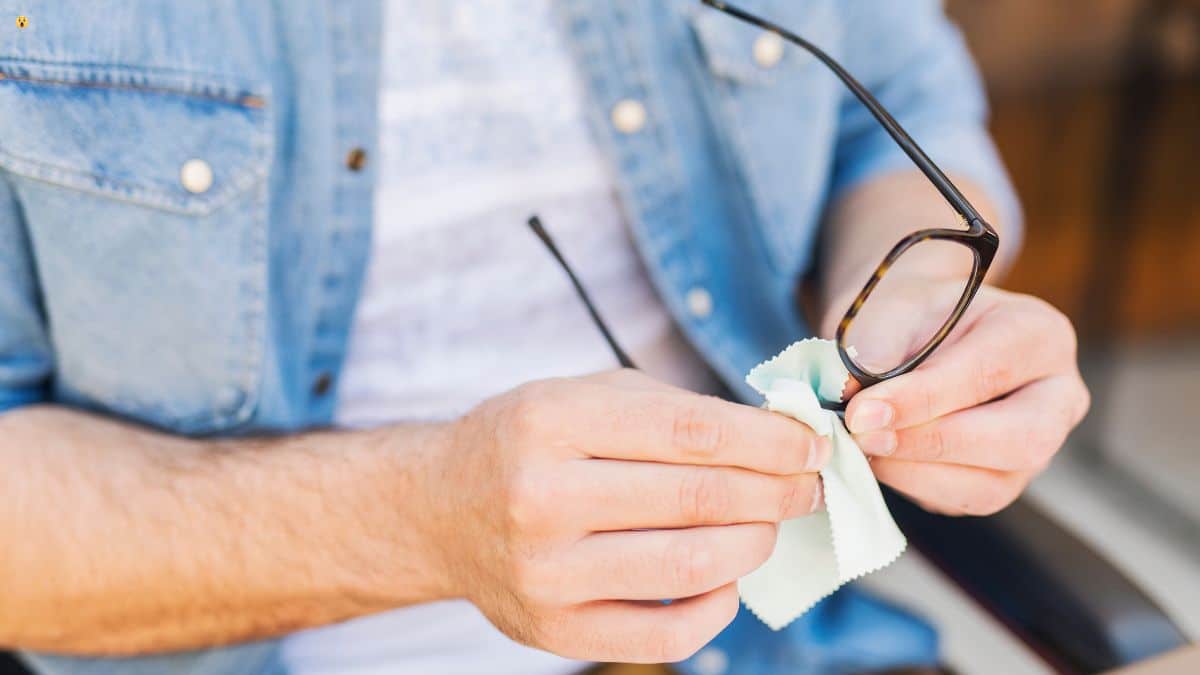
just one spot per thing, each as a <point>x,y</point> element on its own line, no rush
<point>629,116</point>
<point>196,176</point>
<point>699,302</point>
<point>711,661</point>
<point>768,50</point>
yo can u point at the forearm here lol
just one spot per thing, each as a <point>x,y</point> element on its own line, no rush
<point>868,221</point>
<point>120,540</point>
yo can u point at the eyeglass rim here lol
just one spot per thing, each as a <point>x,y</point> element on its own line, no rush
<point>983,244</point>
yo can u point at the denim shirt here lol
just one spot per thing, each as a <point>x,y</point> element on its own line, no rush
<point>182,241</point>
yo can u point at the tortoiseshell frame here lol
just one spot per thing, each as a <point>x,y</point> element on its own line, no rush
<point>982,241</point>
<point>979,236</point>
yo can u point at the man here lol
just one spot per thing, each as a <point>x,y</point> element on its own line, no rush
<point>282,369</point>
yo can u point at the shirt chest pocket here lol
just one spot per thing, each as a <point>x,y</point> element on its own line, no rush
<point>144,192</point>
<point>778,108</point>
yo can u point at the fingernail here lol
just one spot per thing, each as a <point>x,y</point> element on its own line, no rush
<point>818,502</point>
<point>880,443</point>
<point>871,416</point>
<point>822,450</point>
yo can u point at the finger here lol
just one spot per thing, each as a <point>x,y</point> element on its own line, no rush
<point>1021,432</point>
<point>629,632</point>
<point>686,428</point>
<point>610,495</point>
<point>952,489</point>
<point>661,564</point>
<point>1001,352</point>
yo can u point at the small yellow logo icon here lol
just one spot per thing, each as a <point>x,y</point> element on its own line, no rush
<point>22,21</point>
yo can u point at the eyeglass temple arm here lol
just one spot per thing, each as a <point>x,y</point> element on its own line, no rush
<point>897,132</point>
<point>535,224</point>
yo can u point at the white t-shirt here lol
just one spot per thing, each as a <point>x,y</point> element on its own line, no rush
<point>482,124</point>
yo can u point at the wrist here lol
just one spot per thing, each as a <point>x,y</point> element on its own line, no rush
<point>398,534</point>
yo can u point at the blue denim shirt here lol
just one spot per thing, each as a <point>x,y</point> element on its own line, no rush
<point>138,289</point>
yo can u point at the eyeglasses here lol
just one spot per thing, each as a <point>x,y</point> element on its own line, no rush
<point>978,241</point>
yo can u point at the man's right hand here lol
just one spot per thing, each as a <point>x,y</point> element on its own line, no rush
<point>567,509</point>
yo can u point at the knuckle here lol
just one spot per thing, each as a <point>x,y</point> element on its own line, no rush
<point>937,443</point>
<point>688,564</point>
<point>784,456</point>
<point>928,396</point>
<point>694,432</point>
<point>705,496</point>
<point>992,377</point>
<point>528,412</point>
<point>531,501</point>
<point>665,645</point>
<point>796,497</point>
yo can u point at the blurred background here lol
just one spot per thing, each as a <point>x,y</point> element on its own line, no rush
<point>1096,109</point>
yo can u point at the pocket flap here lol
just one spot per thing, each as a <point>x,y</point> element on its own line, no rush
<point>128,133</point>
<point>733,48</point>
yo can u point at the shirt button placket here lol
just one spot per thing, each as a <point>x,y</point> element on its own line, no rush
<point>322,385</point>
<point>356,159</point>
<point>354,52</point>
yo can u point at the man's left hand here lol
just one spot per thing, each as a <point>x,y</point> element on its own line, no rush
<point>966,432</point>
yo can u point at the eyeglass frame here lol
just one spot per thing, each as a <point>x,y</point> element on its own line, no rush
<point>980,237</point>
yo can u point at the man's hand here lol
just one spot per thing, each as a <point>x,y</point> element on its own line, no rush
<point>564,510</point>
<point>567,509</point>
<point>966,431</point>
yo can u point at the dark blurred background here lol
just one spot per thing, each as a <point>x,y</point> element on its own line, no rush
<point>1096,109</point>
<point>1061,75</point>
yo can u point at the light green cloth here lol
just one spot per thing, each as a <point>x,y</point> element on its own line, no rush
<point>855,534</point>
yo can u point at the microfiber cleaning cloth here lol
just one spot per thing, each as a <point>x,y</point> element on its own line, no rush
<point>855,534</point>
